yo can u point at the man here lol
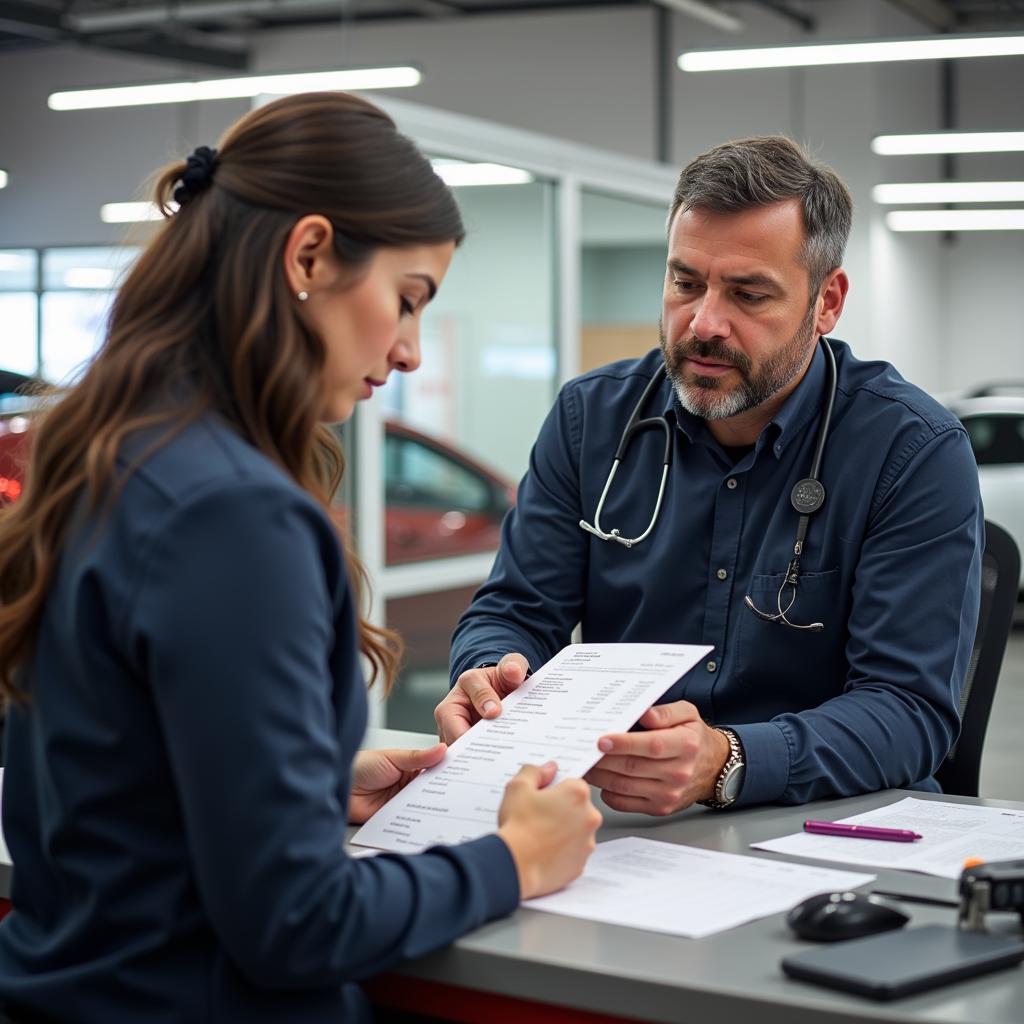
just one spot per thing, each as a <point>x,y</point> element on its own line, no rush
<point>887,575</point>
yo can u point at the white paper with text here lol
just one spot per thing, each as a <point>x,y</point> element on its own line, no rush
<point>950,833</point>
<point>558,714</point>
<point>681,890</point>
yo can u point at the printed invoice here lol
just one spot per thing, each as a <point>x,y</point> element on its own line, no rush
<point>558,714</point>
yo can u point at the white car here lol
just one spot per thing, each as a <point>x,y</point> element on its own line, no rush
<point>995,425</point>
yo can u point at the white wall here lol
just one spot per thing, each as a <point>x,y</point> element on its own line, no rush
<point>64,165</point>
<point>943,311</point>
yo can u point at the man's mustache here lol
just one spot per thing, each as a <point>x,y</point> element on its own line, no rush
<point>714,350</point>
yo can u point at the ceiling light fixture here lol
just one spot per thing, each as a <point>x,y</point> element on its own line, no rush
<point>455,173</point>
<point>876,51</point>
<point>955,220</point>
<point>949,192</point>
<point>247,86</point>
<point>948,142</point>
<point>3,179</point>
<point>131,213</point>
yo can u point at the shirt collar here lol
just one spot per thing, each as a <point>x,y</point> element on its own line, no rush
<point>801,406</point>
<point>786,424</point>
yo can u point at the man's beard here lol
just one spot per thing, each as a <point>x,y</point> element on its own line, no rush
<point>705,396</point>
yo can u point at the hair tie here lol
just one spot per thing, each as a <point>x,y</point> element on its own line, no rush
<point>198,174</point>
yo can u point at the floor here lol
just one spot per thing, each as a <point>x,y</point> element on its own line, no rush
<point>1002,764</point>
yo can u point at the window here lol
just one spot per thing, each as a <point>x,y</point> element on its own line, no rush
<point>997,438</point>
<point>19,310</point>
<point>78,287</point>
<point>418,474</point>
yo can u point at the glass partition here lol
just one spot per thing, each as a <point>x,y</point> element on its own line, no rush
<point>623,246</point>
<point>458,432</point>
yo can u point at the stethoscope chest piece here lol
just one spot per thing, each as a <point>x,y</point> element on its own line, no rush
<point>807,496</point>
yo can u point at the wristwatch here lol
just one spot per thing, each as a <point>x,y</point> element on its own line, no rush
<point>730,778</point>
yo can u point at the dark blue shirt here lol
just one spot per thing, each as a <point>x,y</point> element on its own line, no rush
<point>176,794</point>
<point>891,566</point>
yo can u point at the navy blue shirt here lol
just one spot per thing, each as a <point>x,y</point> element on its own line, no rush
<point>175,799</point>
<point>891,566</point>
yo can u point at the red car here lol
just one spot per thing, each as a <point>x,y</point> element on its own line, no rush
<point>438,501</point>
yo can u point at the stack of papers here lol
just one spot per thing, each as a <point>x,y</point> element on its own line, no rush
<point>950,834</point>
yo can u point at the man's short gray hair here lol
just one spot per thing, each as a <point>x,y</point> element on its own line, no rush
<point>769,169</point>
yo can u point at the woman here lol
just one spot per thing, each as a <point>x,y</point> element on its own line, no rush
<point>179,637</point>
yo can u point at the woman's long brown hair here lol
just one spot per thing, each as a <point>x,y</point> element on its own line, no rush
<point>206,312</point>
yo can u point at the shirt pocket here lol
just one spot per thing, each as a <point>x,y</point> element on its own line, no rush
<point>792,669</point>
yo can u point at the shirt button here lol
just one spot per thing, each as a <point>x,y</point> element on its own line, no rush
<point>712,665</point>
<point>731,483</point>
<point>721,574</point>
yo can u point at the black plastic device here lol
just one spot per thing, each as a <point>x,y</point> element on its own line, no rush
<point>900,963</point>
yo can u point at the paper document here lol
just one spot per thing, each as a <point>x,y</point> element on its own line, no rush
<point>558,714</point>
<point>643,883</point>
<point>950,833</point>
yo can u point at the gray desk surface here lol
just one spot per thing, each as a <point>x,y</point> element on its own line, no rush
<point>733,976</point>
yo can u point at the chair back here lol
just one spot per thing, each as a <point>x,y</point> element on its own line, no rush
<point>1000,581</point>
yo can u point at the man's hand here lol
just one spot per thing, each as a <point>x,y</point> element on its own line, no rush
<point>661,771</point>
<point>478,694</point>
<point>377,775</point>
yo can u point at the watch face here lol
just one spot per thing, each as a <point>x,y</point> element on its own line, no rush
<point>733,783</point>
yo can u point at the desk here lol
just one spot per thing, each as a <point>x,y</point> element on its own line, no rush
<point>543,968</point>
<point>729,978</point>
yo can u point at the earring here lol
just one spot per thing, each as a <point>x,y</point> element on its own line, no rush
<point>302,296</point>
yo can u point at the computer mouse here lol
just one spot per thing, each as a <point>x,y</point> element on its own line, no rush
<point>830,916</point>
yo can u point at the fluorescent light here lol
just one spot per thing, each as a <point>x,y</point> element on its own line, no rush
<point>457,173</point>
<point>129,213</point>
<point>955,220</point>
<point>948,142</point>
<point>950,192</point>
<point>89,277</point>
<point>3,179</point>
<point>932,48</point>
<point>234,88</point>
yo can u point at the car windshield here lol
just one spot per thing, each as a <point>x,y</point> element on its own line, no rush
<point>997,439</point>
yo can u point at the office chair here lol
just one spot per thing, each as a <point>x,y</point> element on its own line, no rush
<point>1000,581</point>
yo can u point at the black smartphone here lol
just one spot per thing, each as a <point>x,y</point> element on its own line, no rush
<point>902,962</point>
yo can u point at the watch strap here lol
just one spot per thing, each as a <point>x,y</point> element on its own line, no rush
<point>732,762</point>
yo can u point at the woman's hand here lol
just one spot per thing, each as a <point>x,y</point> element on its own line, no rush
<point>377,775</point>
<point>550,831</point>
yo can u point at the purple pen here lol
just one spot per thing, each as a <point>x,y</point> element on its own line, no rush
<point>836,828</point>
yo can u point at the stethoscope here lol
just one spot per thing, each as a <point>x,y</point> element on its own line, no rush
<point>807,496</point>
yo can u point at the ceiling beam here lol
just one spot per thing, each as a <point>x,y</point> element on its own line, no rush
<point>22,19</point>
<point>790,13</point>
<point>166,47</point>
<point>48,25</point>
<point>935,14</point>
